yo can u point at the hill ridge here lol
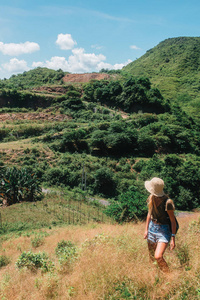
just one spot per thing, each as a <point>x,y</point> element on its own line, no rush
<point>173,66</point>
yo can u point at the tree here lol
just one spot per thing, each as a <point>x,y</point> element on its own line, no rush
<point>146,144</point>
<point>98,140</point>
<point>104,182</point>
<point>130,206</point>
<point>145,82</point>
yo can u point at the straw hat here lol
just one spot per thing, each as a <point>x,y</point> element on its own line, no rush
<point>155,186</point>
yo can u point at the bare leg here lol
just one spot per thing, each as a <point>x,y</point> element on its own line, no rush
<point>160,249</point>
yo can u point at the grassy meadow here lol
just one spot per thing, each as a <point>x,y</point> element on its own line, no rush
<point>57,208</point>
<point>110,261</point>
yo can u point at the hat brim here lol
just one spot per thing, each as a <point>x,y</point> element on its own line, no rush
<point>149,188</point>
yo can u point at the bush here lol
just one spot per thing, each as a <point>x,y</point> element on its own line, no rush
<point>37,241</point>
<point>127,289</point>
<point>146,144</point>
<point>66,252</point>
<point>4,261</point>
<point>34,261</point>
<point>54,176</point>
<point>104,182</point>
<point>182,252</point>
<point>130,206</point>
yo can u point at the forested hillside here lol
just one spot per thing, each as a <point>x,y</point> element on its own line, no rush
<point>104,137</point>
<point>173,66</point>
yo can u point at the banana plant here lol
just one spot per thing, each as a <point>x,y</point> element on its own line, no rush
<point>18,185</point>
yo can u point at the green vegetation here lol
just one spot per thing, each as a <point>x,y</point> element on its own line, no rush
<point>36,77</point>
<point>130,206</point>
<point>18,185</point>
<point>103,138</point>
<point>67,253</point>
<point>173,66</point>
<point>34,261</point>
<point>55,209</point>
<point>4,260</point>
<point>95,143</point>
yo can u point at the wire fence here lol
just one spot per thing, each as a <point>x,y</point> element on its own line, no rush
<point>75,212</point>
<point>54,209</point>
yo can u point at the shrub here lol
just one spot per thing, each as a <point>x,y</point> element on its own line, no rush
<point>139,165</point>
<point>146,144</point>
<point>4,261</point>
<point>185,198</point>
<point>34,261</point>
<point>182,252</point>
<point>66,252</point>
<point>130,206</point>
<point>105,182</point>
<point>127,289</point>
<point>195,226</point>
<point>54,176</point>
<point>37,241</point>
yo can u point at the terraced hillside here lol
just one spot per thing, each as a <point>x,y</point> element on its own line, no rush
<point>102,136</point>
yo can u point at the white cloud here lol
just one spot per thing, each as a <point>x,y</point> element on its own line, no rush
<point>134,47</point>
<point>120,66</point>
<point>38,64</point>
<point>15,66</point>
<point>65,41</point>
<point>84,62</point>
<point>78,62</point>
<point>13,49</point>
<point>96,46</point>
<point>54,63</point>
<point>108,66</point>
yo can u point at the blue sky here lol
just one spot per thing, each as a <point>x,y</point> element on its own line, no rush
<point>85,36</point>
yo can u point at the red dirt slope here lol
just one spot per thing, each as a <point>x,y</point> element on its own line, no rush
<point>86,77</point>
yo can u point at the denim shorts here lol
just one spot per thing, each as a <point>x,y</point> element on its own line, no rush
<point>158,233</point>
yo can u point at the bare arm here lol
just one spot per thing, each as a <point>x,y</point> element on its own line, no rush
<point>173,224</point>
<point>147,225</point>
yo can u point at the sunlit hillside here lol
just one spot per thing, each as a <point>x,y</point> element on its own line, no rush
<point>173,67</point>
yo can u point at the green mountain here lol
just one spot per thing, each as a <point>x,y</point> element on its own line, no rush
<point>36,77</point>
<point>173,66</point>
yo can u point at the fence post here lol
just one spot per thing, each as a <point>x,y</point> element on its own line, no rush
<point>102,217</point>
<point>0,220</point>
<point>85,181</point>
<point>82,178</point>
<point>80,211</point>
<point>73,216</point>
<point>69,211</point>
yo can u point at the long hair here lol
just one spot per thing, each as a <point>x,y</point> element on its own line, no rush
<point>152,203</point>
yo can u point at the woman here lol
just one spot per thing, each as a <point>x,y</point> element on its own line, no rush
<point>160,215</point>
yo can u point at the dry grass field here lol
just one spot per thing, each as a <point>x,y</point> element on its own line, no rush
<point>111,262</point>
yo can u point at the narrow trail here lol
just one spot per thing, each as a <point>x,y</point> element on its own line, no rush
<point>183,214</point>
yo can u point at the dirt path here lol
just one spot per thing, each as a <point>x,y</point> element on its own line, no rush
<point>183,214</point>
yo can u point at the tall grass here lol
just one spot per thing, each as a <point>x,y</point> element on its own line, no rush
<point>54,209</point>
<point>111,263</point>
